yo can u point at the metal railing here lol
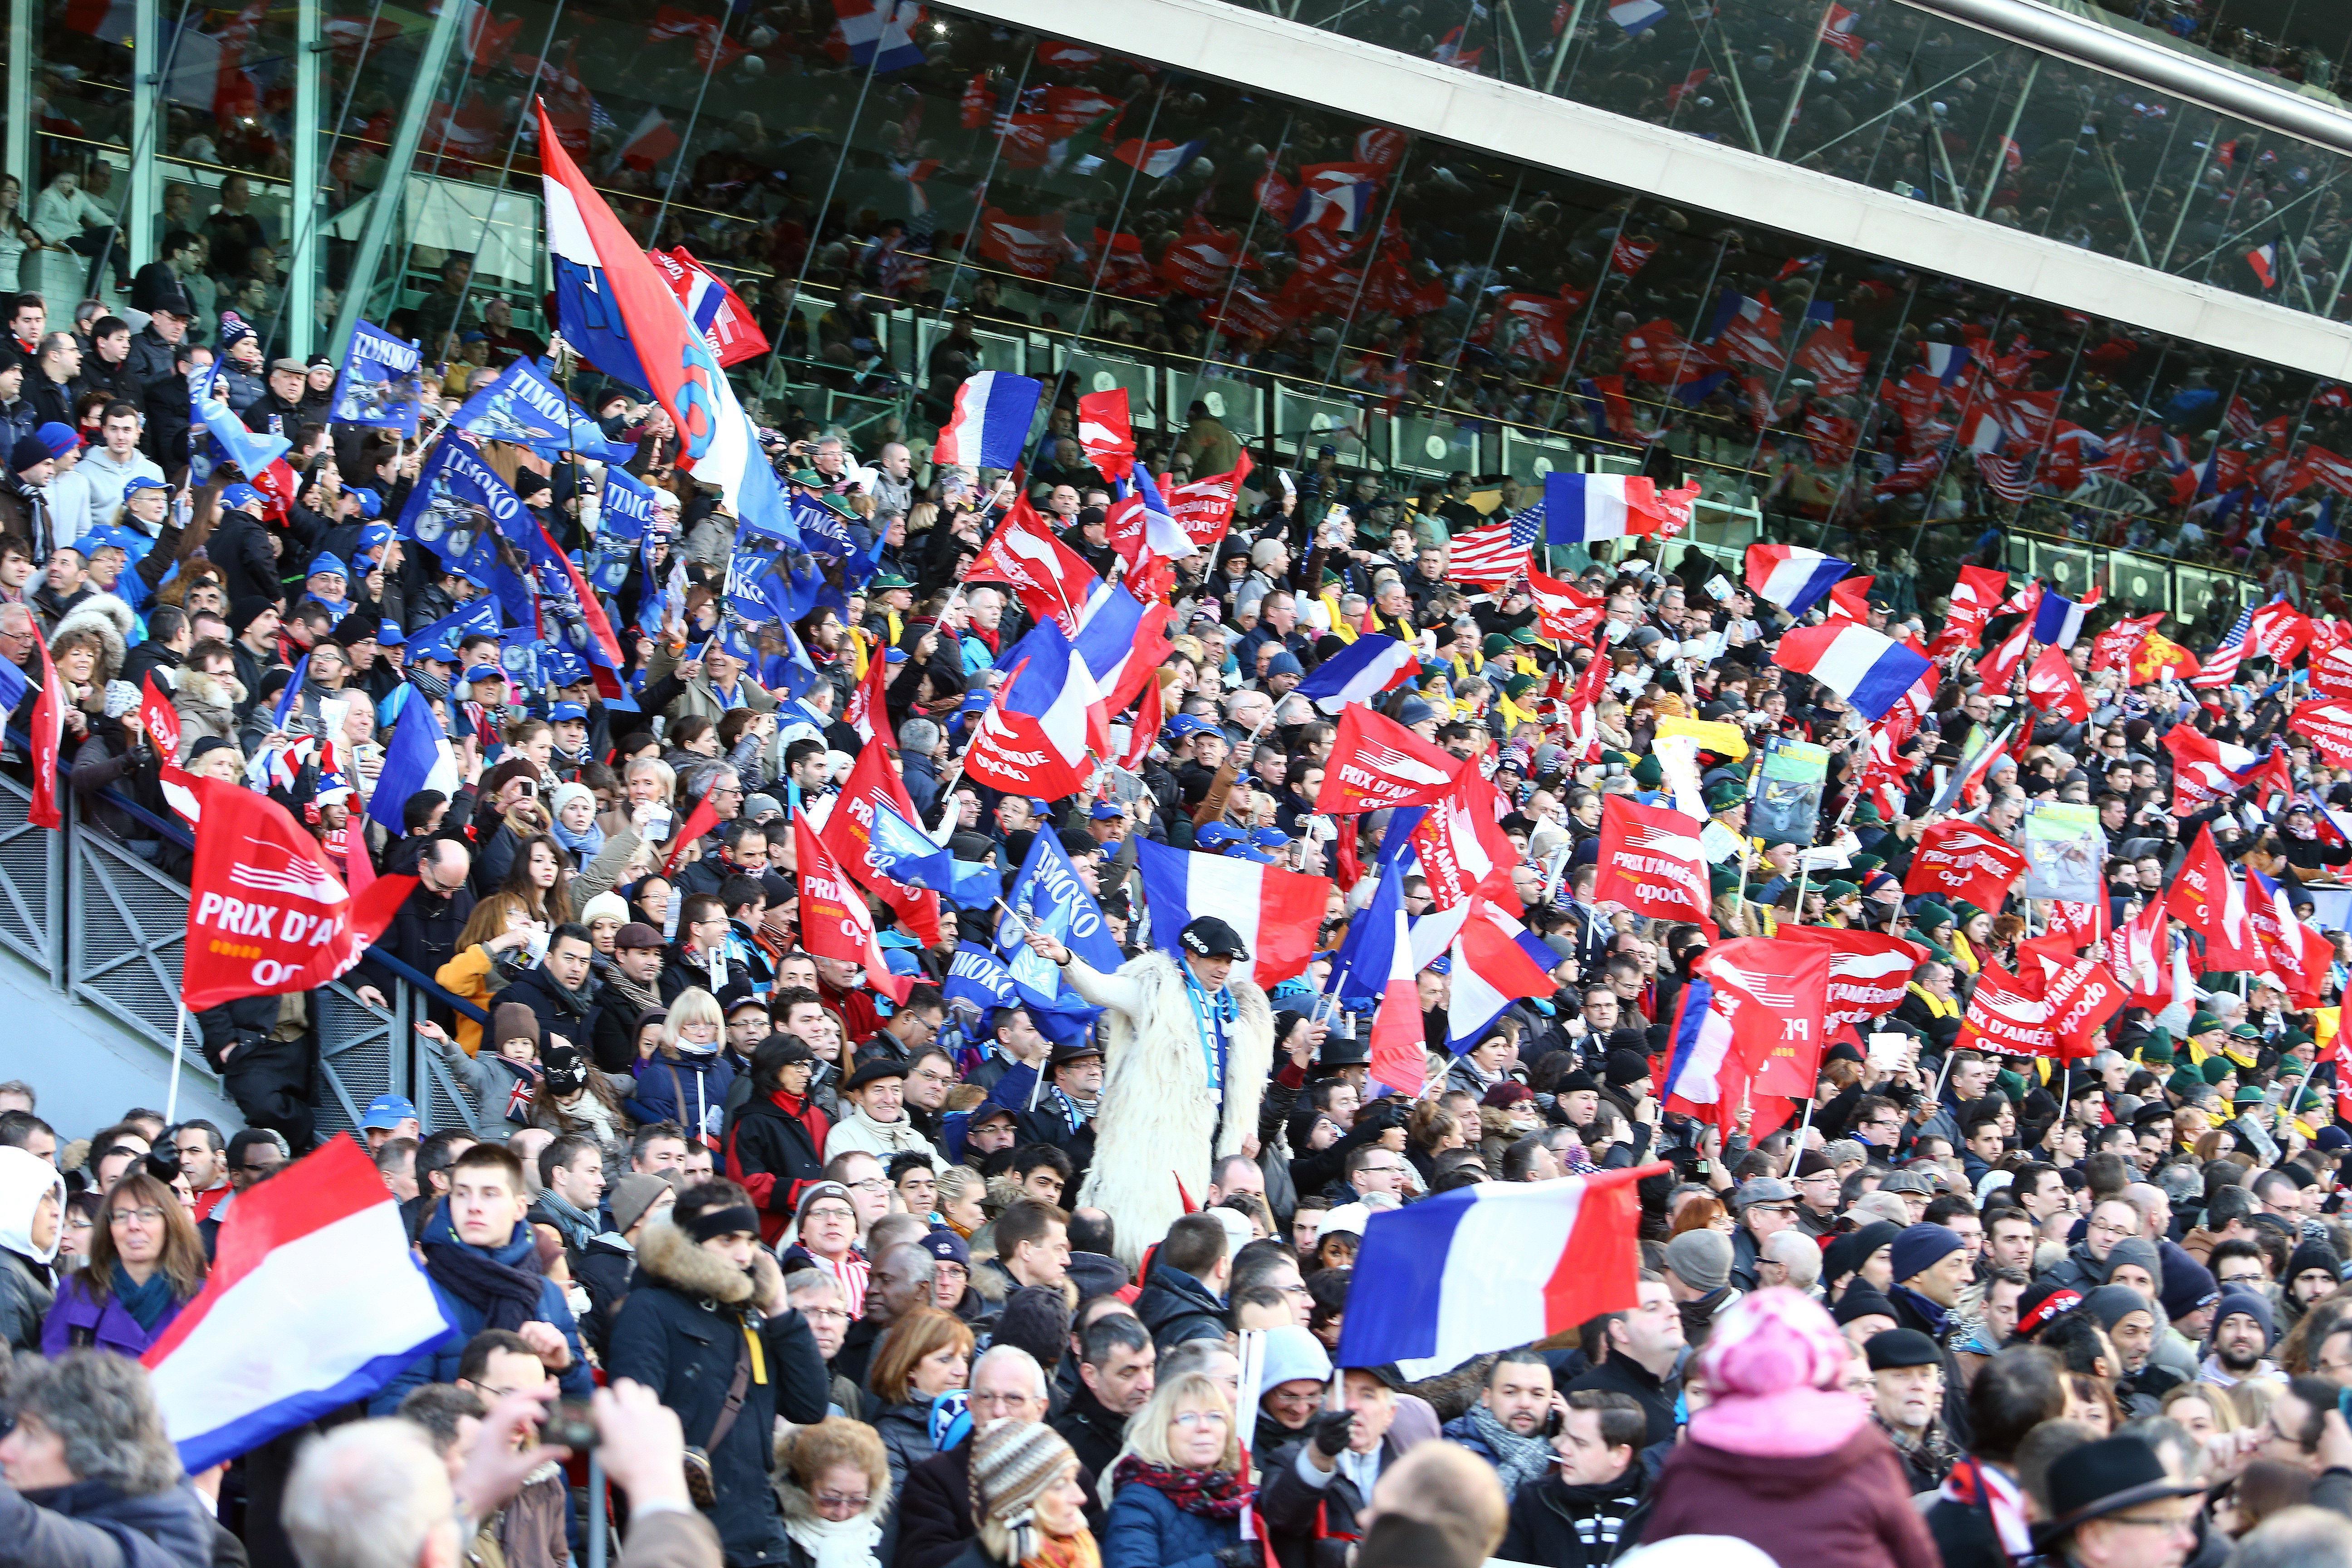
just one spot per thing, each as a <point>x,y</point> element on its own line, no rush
<point>108,928</point>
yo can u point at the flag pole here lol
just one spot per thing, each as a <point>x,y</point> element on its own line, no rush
<point>172,1095</point>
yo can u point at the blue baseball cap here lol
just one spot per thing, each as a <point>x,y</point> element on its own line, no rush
<point>1215,835</point>
<point>485,672</point>
<point>1184,726</point>
<point>372,537</point>
<point>1105,811</point>
<point>1270,838</point>
<point>370,505</point>
<point>386,1111</point>
<point>243,498</point>
<point>137,482</point>
<point>566,711</point>
<point>388,635</point>
<point>437,650</point>
<point>1239,850</point>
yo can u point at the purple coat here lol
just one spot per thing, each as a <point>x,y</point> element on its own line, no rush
<point>78,1319</point>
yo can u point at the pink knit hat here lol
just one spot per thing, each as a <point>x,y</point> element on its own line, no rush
<point>1771,1365</point>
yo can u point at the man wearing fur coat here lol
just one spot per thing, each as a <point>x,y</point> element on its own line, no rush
<point>1188,1049</point>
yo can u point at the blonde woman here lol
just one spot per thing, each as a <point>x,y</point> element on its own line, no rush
<point>492,950</point>
<point>1176,1492</point>
<point>686,1078</point>
<point>833,1483</point>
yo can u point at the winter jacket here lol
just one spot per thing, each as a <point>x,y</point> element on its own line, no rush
<point>1144,1529</point>
<point>858,1133</point>
<point>78,1319</point>
<point>239,546</point>
<point>1094,1434</point>
<point>1623,1375</point>
<point>558,1014</point>
<point>1845,1509</point>
<point>27,1286</point>
<point>207,706</point>
<point>474,974</point>
<point>686,1324</point>
<point>93,1524</point>
<point>905,1429</point>
<point>1561,1526</point>
<point>776,1150</point>
<point>1176,1308</point>
<point>439,1364</point>
<point>687,1090</point>
<point>934,1521</point>
<point>27,1290</point>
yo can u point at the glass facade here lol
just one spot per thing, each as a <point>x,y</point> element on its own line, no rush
<point>963,195</point>
<point>1889,96</point>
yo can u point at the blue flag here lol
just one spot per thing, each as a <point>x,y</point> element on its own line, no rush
<point>251,452</point>
<point>457,505</point>
<point>1049,897</point>
<point>440,638</point>
<point>291,697</point>
<point>525,408</point>
<point>378,384</point>
<point>979,976</point>
<point>626,507</point>
<point>416,758</point>
<point>821,527</point>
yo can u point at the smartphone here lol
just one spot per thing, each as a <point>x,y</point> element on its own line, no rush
<point>529,788</point>
<point>568,1427</point>
<point>658,825</point>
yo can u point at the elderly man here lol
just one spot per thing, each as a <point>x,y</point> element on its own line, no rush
<point>1322,1490</point>
<point>1190,1050</point>
<point>681,688</point>
<point>1906,1374</point>
<point>934,1522</point>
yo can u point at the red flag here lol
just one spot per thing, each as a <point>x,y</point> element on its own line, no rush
<point>2112,649</point>
<point>1053,581</point>
<point>1462,847</point>
<point>1850,599</point>
<point>2329,724</point>
<point>1998,667</point>
<point>2206,898</point>
<point>48,736</point>
<point>2203,769</point>
<point>2003,1016</point>
<point>1204,508</point>
<point>1868,972</point>
<point>161,719</point>
<point>1377,762</point>
<point>1651,861</point>
<point>1106,432</point>
<point>2078,997</point>
<point>732,333</point>
<point>267,914</point>
<point>849,830</point>
<point>2051,687</point>
<point>867,711</point>
<point>1565,611</point>
<point>1150,715</point>
<point>1961,860</point>
<point>835,922</point>
<point>2136,954</point>
<point>1780,1032</point>
<point>699,821</point>
<point>2080,924</point>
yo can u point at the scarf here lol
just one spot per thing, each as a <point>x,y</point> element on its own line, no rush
<point>427,683</point>
<point>506,1296</point>
<point>576,1222</point>
<point>1934,1313</point>
<point>836,1542</point>
<point>1521,1460</point>
<point>146,1303</point>
<point>1211,1494</point>
<point>576,1002</point>
<point>1065,1552</point>
<point>639,999</point>
<point>586,846</point>
<point>1211,1015</point>
<point>1975,1484</point>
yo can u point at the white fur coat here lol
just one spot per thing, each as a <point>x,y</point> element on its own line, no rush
<point>1157,1113</point>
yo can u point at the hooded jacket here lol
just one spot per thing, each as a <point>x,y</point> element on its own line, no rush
<point>27,1284</point>
<point>688,1319</point>
<point>1848,1507</point>
<point>207,706</point>
<point>1177,1308</point>
<point>94,1524</point>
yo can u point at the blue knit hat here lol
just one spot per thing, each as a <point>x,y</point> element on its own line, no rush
<point>1920,1247</point>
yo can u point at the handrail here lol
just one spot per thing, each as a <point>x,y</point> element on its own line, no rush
<point>431,989</point>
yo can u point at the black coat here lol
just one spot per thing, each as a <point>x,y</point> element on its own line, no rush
<point>1094,1434</point>
<point>1623,1375</point>
<point>1176,1308</point>
<point>935,1524</point>
<point>602,1269</point>
<point>557,1013</point>
<point>680,1332</point>
<point>93,1524</point>
<point>424,930</point>
<point>239,546</point>
<point>1560,1526</point>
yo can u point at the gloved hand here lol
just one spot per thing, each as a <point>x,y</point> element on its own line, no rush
<point>162,1162</point>
<point>1240,1554</point>
<point>1331,1431</point>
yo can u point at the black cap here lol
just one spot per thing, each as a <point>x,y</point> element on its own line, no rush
<point>1209,937</point>
<point>1577,1082</point>
<point>1901,1347</point>
<point>1343,1049</point>
<point>2103,1477</point>
<point>873,1069</point>
<point>1075,1051</point>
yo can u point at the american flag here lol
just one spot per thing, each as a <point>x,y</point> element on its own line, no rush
<point>2006,477</point>
<point>1496,553</point>
<point>2222,668</point>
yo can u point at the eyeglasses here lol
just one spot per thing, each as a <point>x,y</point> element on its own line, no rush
<point>824,1314</point>
<point>143,1215</point>
<point>842,1214</point>
<point>1005,1402</point>
<point>870,1184</point>
<point>2252,1277</point>
<point>834,1500</point>
<point>1199,1418</point>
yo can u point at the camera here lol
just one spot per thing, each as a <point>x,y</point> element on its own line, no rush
<point>568,1427</point>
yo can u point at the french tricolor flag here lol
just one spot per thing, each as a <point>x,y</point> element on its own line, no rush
<point>1493,1265</point>
<point>1637,17</point>
<point>1579,507</point>
<point>314,1302</point>
<point>1371,665</point>
<point>1374,971</point>
<point>1792,577</point>
<point>1275,912</point>
<point>1868,670</point>
<point>1041,735</point>
<point>1697,1083</point>
<point>2058,620</point>
<point>880,33</point>
<point>990,427</point>
<point>1158,160</point>
<point>1947,361</point>
<point>1494,961</point>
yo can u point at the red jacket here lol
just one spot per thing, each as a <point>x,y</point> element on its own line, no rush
<point>1846,1509</point>
<point>775,1147</point>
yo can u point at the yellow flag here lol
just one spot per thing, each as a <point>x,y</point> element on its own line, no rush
<point>1723,740</point>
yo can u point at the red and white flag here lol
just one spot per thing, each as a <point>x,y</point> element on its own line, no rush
<point>2206,898</point>
<point>1652,862</point>
<point>1780,1031</point>
<point>1204,508</point>
<point>266,913</point>
<point>2136,954</point>
<point>835,922</point>
<point>1376,761</point>
<point>2204,770</point>
<point>1053,581</point>
<point>1106,433</point>
<point>1564,611</point>
<point>848,835</point>
<point>1961,860</point>
<point>2051,686</point>
<point>2006,1017</point>
<point>1868,972</point>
